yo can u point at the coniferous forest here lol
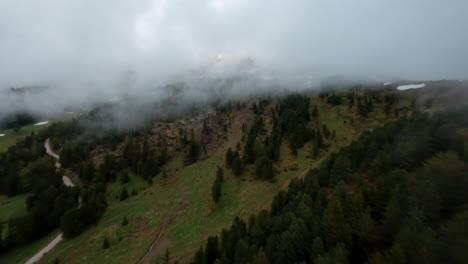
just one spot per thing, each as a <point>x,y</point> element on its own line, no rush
<point>396,195</point>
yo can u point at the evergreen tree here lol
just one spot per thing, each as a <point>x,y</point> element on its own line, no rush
<point>334,225</point>
<point>340,170</point>
<point>193,152</point>
<point>261,257</point>
<point>220,175</point>
<point>199,257</point>
<point>317,249</point>
<point>105,243</point>
<point>264,168</point>
<point>216,191</point>
<point>124,194</point>
<point>236,166</point>
<point>211,252</point>
<point>71,224</point>
<point>124,178</point>
<point>315,112</point>
<point>229,157</point>
<point>166,257</point>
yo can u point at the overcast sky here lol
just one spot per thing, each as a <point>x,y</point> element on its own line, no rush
<point>93,41</point>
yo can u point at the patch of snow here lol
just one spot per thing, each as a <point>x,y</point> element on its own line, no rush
<point>1,135</point>
<point>42,123</point>
<point>387,83</point>
<point>410,86</point>
<point>67,182</point>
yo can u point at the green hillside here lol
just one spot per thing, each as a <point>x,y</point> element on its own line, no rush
<point>169,205</point>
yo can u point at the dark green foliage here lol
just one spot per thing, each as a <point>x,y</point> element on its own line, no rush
<point>124,221</point>
<point>333,224</point>
<point>255,131</point>
<point>340,170</point>
<point>293,116</point>
<point>334,99</point>
<point>24,168</point>
<point>428,103</point>
<point>315,113</point>
<point>236,166</point>
<point>16,120</point>
<point>264,168</point>
<point>351,100</point>
<point>409,208</point>
<point>216,190</point>
<point>123,194</point>
<point>220,175</point>
<point>317,249</point>
<point>261,257</point>
<point>194,151</point>
<point>71,224</point>
<point>93,204</point>
<point>166,257</point>
<point>211,250</point>
<point>229,157</point>
<point>107,170</point>
<point>105,243</point>
<point>199,257</point>
<point>124,178</point>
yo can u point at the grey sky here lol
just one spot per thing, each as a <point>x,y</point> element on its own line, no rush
<point>76,43</point>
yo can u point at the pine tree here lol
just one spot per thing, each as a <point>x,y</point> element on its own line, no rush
<point>315,112</point>
<point>341,170</point>
<point>216,191</point>
<point>261,257</point>
<point>264,168</point>
<point>124,194</point>
<point>334,226</point>
<point>166,257</point>
<point>105,243</point>
<point>229,157</point>
<point>317,249</point>
<point>124,178</point>
<point>124,221</point>
<point>220,175</point>
<point>199,257</point>
<point>211,250</point>
<point>315,148</point>
<point>236,166</point>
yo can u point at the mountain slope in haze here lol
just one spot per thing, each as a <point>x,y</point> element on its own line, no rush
<point>161,177</point>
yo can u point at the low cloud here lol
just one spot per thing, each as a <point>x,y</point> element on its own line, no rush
<point>92,51</point>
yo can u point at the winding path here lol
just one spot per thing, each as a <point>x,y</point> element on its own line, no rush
<point>57,239</point>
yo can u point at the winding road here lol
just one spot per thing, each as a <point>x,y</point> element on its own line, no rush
<point>57,239</point>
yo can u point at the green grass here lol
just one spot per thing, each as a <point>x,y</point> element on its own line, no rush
<point>11,136</point>
<point>11,207</point>
<point>144,213</point>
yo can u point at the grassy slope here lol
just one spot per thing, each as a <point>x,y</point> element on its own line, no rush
<point>183,200</point>
<point>11,207</point>
<point>11,137</point>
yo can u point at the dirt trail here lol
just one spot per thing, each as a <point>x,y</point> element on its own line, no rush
<point>167,219</point>
<point>57,239</point>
